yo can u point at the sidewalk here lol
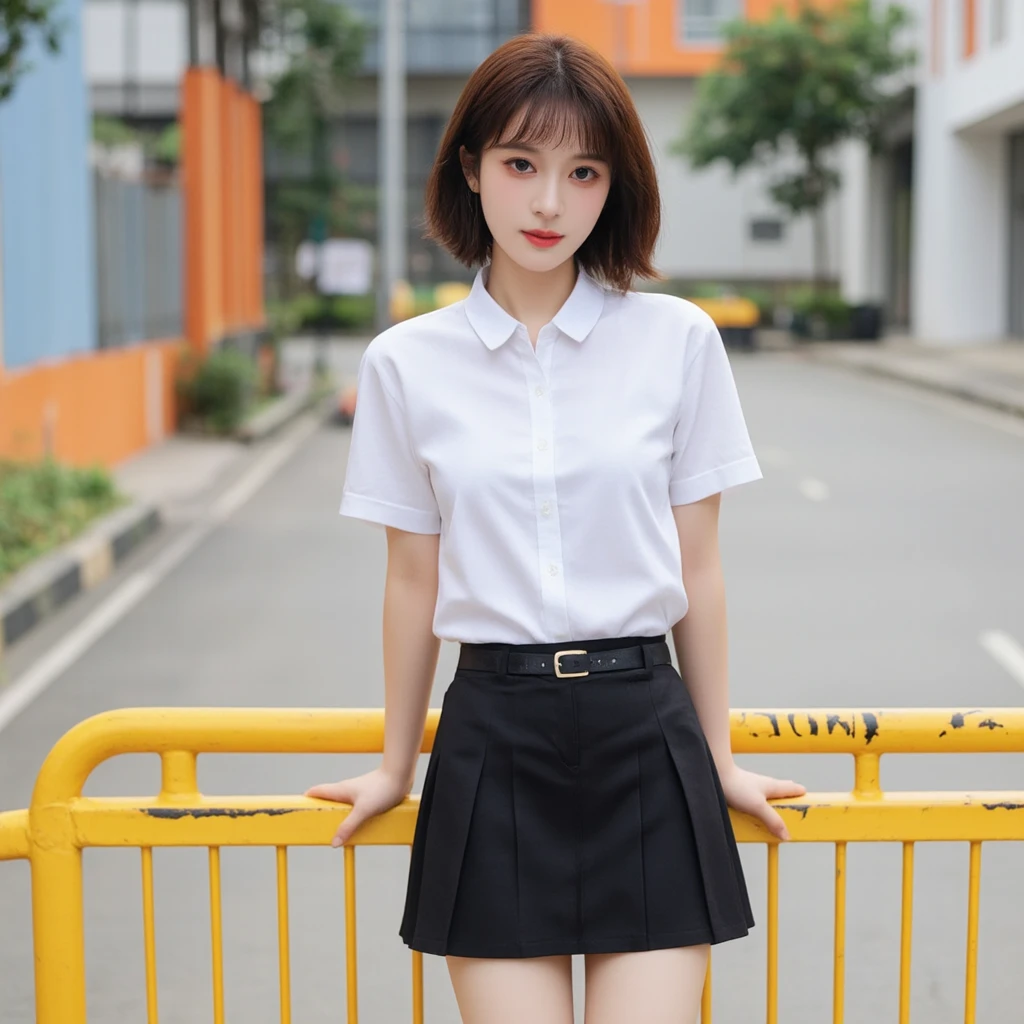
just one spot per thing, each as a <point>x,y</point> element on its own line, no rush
<point>991,375</point>
<point>165,483</point>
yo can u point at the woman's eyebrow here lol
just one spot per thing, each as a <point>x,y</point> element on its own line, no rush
<point>534,149</point>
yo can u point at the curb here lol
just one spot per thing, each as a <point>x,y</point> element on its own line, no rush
<point>38,590</point>
<point>1006,400</point>
<point>34,593</point>
<point>275,416</point>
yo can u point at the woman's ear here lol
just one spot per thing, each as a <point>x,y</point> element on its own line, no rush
<point>469,168</point>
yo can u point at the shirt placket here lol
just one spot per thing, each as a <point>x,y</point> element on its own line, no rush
<point>549,534</point>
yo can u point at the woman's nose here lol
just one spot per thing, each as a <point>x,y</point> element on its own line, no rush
<point>547,202</point>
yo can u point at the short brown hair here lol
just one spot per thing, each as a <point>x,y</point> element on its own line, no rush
<point>562,86</point>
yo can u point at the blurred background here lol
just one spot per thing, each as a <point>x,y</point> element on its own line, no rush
<point>209,207</point>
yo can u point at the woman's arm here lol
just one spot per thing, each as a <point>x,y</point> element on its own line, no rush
<point>701,636</point>
<point>410,660</point>
<point>410,647</point>
<point>701,642</point>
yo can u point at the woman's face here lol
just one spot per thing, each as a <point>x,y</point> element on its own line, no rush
<point>540,202</point>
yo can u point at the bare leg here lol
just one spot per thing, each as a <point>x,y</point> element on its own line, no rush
<point>513,991</point>
<point>656,986</point>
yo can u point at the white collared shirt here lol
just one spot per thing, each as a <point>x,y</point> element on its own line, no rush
<point>550,474</point>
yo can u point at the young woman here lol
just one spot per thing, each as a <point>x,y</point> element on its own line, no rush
<point>547,457</point>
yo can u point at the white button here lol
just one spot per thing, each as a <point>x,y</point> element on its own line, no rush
<point>553,569</point>
<point>538,391</point>
<point>545,509</point>
<point>542,445</point>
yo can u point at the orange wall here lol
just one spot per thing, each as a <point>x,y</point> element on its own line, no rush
<point>94,407</point>
<point>640,39</point>
<point>201,173</point>
<point>104,406</point>
<point>223,180</point>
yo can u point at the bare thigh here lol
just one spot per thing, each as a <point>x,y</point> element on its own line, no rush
<point>510,991</point>
<point>656,986</point>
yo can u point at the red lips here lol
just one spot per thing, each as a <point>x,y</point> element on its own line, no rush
<point>543,239</point>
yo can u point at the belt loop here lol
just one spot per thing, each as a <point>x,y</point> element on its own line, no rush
<point>648,650</point>
<point>503,661</point>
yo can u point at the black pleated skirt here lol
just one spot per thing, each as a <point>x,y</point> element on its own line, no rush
<point>565,816</point>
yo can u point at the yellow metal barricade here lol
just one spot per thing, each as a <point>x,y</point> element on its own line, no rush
<point>61,822</point>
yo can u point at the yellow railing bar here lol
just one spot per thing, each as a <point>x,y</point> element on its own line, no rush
<point>168,731</point>
<point>61,822</point>
<point>417,987</point>
<point>216,936</point>
<point>298,821</point>
<point>839,950</point>
<point>351,974</point>
<point>906,930</point>
<point>149,934</point>
<point>14,844</point>
<point>974,893</point>
<point>283,939</point>
<point>772,1007</point>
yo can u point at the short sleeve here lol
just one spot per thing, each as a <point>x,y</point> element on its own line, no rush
<point>711,447</point>
<point>385,483</point>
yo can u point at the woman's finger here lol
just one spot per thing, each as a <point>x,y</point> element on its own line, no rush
<point>781,788</point>
<point>352,821</point>
<point>773,820</point>
<point>339,792</point>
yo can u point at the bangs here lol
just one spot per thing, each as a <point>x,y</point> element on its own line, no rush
<point>546,91</point>
<point>553,117</point>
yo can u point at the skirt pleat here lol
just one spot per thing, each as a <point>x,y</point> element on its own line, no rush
<point>563,816</point>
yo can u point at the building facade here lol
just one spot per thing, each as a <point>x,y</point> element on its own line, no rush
<point>716,228</point>
<point>75,383</point>
<point>967,274</point>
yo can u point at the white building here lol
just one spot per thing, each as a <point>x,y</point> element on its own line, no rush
<point>135,54</point>
<point>968,267</point>
<point>936,226</point>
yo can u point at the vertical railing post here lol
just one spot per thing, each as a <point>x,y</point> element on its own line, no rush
<point>58,922</point>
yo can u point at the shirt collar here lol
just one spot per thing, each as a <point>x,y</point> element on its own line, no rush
<point>577,318</point>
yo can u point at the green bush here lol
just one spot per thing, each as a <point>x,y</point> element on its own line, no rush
<point>764,299</point>
<point>354,312</point>
<point>221,390</point>
<point>45,504</point>
<point>827,306</point>
<point>322,313</point>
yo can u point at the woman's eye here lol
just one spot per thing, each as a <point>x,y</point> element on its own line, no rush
<point>520,161</point>
<point>589,171</point>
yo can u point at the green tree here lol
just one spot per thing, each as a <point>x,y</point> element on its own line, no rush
<point>19,19</point>
<point>321,46</point>
<point>795,87</point>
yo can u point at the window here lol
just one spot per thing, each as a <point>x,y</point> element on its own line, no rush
<point>703,19</point>
<point>1000,17</point>
<point>766,229</point>
<point>445,36</point>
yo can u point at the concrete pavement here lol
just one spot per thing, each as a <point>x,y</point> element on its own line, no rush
<point>883,541</point>
<point>991,375</point>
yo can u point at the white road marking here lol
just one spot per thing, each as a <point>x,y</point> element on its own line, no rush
<point>1006,651</point>
<point>813,490</point>
<point>36,679</point>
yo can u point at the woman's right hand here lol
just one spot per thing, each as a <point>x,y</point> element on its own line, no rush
<point>369,795</point>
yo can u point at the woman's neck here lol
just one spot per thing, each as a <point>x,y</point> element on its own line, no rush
<point>532,298</point>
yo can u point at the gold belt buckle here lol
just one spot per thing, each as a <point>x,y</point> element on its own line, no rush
<point>568,675</point>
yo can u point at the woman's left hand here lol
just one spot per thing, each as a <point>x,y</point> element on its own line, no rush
<point>749,792</point>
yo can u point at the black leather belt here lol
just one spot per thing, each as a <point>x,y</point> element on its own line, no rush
<point>572,663</point>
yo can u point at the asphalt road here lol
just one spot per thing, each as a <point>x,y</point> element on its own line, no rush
<point>884,540</point>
